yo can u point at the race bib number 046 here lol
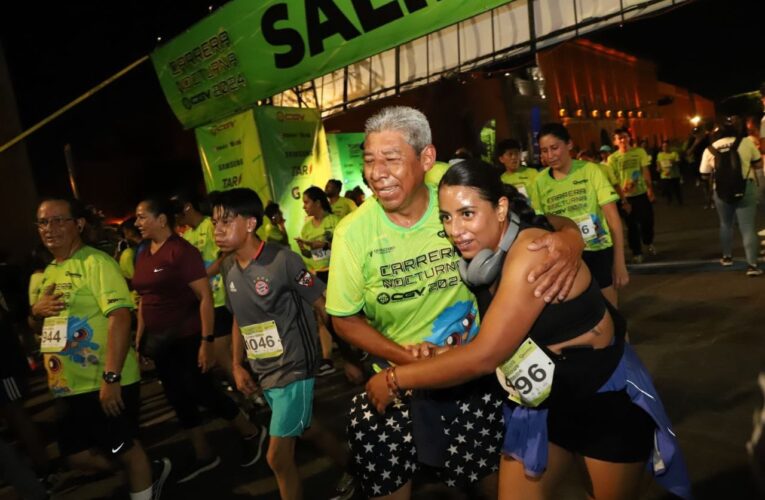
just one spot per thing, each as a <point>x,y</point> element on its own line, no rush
<point>54,334</point>
<point>528,375</point>
<point>262,340</point>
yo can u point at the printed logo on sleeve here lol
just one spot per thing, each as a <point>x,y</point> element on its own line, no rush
<point>304,278</point>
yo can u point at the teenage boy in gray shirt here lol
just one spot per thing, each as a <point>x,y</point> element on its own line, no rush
<point>272,297</point>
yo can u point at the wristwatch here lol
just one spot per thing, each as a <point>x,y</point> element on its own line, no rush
<point>111,377</point>
<point>208,338</point>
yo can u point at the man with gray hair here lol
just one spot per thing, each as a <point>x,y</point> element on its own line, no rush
<point>394,282</point>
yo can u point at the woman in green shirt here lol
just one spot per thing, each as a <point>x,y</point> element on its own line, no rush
<point>316,236</point>
<point>315,242</point>
<point>580,191</point>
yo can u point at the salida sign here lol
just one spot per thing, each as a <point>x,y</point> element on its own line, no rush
<point>248,50</point>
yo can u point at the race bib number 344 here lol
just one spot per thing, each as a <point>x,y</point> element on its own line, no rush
<point>54,334</point>
<point>262,340</point>
<point>528,375</point>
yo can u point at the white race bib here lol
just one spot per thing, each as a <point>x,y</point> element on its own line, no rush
<point>320,254</point>
<point>587,227</point>
<point>262,340</point>
<point>528,375</point>
<point>54,334</point>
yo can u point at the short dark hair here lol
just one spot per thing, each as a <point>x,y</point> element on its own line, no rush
<point>271,209</point>
<point>337,183</point>
<point>128,225</point>
<point>239,201</point>
<point>555,129</point>
<point>77,209</point>
<point>180,198</point>
<point>506,145</point>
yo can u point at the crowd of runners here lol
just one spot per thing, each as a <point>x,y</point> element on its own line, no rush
<point>479,306</point>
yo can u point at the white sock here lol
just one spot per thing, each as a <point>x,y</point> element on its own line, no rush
<point>141,495</point>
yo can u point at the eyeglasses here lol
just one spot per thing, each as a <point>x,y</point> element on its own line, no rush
<point>53,221</point>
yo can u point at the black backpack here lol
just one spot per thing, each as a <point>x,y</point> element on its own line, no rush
<point>730,185</point>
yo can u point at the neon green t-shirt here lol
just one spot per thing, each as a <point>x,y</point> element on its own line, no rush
<point>34,287</point>
<point>578,196</point>
<point>667,163</point>
<point>522,179</point>
<point>319,258</point>
<point>92,287</point>
<point>342,207</point>
<point>628,168</point>
<point>203,239</point>
<point>433,176</point>
<point>127,266</point>
<point>609,173</point>
<point>405,280</point>
<point>271,233</point>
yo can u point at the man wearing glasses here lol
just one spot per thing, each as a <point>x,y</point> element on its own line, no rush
<point>83,310</point>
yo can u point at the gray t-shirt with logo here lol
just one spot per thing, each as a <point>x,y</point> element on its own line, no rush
<point>272,297</point>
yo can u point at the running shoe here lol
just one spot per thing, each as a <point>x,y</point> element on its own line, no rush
<point>753,271</point>
<point>253,447</point>
<point>327,367</point>
<point>726,261</point>
<point>652,250</point>
<point>160,469</point>
<point>637,259</point>
<point>761,233</point>
<point>198,467</point>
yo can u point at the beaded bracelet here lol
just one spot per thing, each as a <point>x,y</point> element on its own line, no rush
<point>392,382</point>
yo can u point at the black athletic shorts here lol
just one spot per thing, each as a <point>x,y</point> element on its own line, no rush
<point>223,322</point>
<point>82,424</point>
<point>606,426</point>
<point>601,265</point>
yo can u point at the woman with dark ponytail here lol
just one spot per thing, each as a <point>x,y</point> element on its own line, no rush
<point>564,364</point>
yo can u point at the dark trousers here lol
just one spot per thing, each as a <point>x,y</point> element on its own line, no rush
<point>187,388</point>
<point>639,223</point>
<point>671,188</point>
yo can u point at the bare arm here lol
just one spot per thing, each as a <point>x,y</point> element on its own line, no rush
<point>118,344</point>
<point>555,274</point>
<point>621,277</point>
<point>357,331</point>
<point>140,325</point>
<point>201,289</point>
<point>242,378</point>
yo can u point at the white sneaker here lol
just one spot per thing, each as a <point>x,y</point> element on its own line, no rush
<point>761,233</point>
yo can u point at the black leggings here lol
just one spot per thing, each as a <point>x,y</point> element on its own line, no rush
<point>639,223</point>
<point>186,387</point>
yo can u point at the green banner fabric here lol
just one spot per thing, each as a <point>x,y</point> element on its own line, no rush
<point>250,50</point>
<point>295,150</point>
<point>231,155</point>
<point>347,158</point>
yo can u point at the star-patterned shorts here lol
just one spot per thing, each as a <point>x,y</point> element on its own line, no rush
<point>383,452</point>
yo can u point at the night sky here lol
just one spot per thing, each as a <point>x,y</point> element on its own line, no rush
<point>126,142</point>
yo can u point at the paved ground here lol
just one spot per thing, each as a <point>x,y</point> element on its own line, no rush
<point>694,324</point>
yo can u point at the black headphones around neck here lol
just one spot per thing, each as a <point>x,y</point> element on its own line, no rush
<point>484,267</point>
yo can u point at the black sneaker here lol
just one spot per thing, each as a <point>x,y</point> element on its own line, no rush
<point>253,447</point>
<point>198,467</point>
<point>160,469</point>
<point>726,261</point>
<point>327,367</point>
